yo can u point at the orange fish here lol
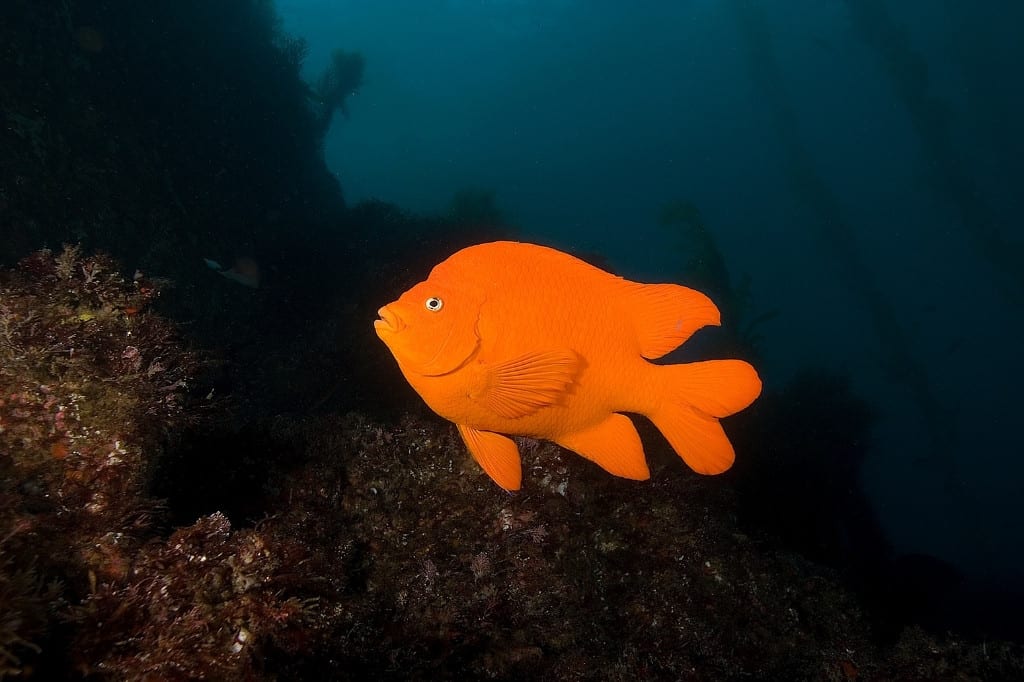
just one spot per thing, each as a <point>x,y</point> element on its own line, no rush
<point>508,338</point>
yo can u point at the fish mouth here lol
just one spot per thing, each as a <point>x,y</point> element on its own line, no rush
<point>388,322</point>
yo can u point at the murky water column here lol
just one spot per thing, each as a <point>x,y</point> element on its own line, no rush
<point>837,235</point>
<point>930,118</point>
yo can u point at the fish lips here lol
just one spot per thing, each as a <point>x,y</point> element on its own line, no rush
<point>388,323</point>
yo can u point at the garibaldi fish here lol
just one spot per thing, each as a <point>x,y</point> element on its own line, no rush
<point>508,338</point>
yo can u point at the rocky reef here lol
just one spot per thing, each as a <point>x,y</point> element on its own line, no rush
<point>205,481</point>
<point>93,388</point>
<point>367,548</point>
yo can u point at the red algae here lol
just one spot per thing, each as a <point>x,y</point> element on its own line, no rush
<point>92,385</point>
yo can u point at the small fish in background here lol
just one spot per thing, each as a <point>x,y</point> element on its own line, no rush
<point>515,339</point>
<point>245,271</point>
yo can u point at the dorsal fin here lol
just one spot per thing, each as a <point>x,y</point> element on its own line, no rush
<point>666,315</point>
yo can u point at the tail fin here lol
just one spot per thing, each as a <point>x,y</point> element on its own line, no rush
<point>698,394</point>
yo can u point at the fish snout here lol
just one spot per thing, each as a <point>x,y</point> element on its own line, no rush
<point>388,322</point>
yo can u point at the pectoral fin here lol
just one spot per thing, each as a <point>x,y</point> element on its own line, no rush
<point>523,385</point>
<point>496,454</point>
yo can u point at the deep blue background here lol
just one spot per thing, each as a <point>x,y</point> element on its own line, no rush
<point>588,116</point>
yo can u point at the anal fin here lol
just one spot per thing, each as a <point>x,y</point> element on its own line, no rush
<point>614,445</point>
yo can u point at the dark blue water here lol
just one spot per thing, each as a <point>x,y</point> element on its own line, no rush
<point>859,160</point>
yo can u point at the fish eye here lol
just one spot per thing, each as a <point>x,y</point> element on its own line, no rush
<point>434,304</point>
